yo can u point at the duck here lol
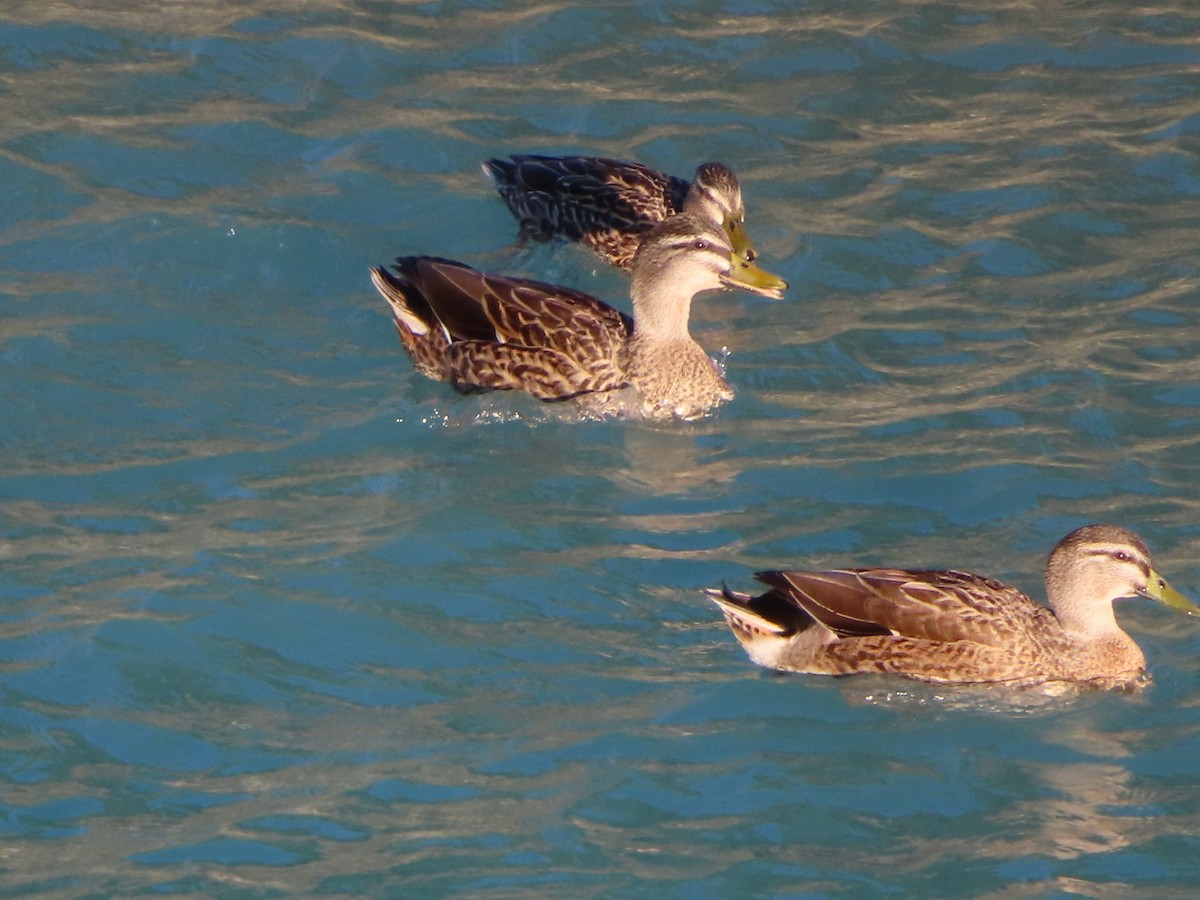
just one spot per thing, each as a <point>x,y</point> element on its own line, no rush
<point>481,331</point>
<point>610,205</point>
<point>951,627</point>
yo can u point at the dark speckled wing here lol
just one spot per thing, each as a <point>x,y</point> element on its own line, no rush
<point>940,606</point>
<point>574,196</point>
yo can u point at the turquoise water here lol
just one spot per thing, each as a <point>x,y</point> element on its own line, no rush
<point>282,617</point>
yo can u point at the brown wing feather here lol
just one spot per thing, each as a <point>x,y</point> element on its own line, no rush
<point>537,315</point>
<point>479,306</point>
<point>925,605</point>
<point>500,333</point>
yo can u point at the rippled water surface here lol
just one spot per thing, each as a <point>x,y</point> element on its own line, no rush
<point>282,617</point>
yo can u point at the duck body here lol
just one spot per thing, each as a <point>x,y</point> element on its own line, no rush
<point>480,331</point>
<point>610,205</point>
<point>952,627</point>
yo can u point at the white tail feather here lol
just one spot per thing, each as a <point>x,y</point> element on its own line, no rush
<point>747,618</point>
<point>400,310</point>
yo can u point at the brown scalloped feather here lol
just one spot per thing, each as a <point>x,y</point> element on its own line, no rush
<point>490,332</point>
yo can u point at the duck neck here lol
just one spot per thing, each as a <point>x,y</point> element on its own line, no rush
<point>1082,614</point>
<point>660,317</point>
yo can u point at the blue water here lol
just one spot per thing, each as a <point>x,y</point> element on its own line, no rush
<point>282,617</point>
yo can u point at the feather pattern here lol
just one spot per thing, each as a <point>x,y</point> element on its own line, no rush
<point>490,332</point>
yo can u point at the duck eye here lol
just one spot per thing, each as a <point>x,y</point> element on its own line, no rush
<point>700,244</point>
<point>1121,555</point>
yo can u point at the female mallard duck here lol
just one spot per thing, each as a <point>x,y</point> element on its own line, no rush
<point>954,627</point>
<point>489,332</point>
<point>610,205</point>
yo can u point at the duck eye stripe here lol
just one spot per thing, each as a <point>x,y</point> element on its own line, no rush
<point>689,243</point>
<point>1121,554</point>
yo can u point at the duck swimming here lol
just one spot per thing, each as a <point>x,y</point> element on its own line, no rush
<point>951,627</point>
<point>611,205</point>
<point>481,331</point>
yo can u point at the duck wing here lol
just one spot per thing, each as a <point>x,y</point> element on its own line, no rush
<point>571,196</point>
<point>471,305</point>
<point>940,606</point>
<point>490,332</point>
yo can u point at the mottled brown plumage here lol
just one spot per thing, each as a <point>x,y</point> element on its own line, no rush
<point>489,332</point>
<point>956,627</point>
<point>611,205</point>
